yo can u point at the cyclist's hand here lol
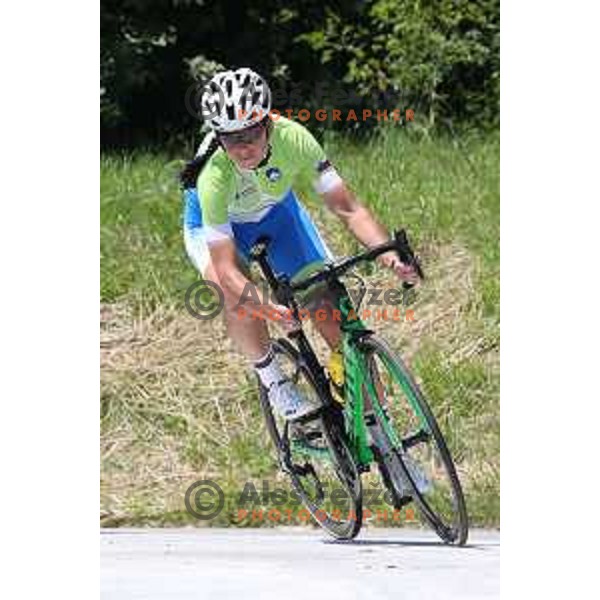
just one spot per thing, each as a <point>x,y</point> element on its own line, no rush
<point>404,272</point>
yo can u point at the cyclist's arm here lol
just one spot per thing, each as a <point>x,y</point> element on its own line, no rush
<point>316,171</point>
<point>365,228</point>
<point>224,257</point>
<point>357,217</point>
<point>233,281</point>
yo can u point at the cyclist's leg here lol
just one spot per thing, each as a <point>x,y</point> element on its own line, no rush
<point>244,318</point>
<point>250,334</point>
<point>322,306</point>
<point>247,328</point>
<point>296,249</point>
<point>294,246</point>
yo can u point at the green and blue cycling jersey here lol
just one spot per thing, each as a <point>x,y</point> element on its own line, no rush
<point>244,205</point>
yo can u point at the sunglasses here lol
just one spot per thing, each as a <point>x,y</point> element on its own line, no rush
<point>245,136</point>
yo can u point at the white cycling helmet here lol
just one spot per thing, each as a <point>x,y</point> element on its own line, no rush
<point>234,100</point>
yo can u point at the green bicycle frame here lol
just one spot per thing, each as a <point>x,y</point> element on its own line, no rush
<point>357,381</point>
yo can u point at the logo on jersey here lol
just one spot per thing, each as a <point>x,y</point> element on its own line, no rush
<point>273,174</point>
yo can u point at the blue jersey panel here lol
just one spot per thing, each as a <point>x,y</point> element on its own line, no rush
<point>192,214</point>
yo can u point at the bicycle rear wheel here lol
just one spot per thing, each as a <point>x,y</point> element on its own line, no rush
<point>314,453</point>
<point>415,461</point>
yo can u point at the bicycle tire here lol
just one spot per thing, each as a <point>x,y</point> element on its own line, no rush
<point>456,533</point>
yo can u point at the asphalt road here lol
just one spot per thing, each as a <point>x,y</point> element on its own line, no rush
<point>293,564</point>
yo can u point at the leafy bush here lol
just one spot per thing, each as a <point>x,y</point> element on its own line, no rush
<point>440,58</point>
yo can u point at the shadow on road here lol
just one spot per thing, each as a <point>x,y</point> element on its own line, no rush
<point>410,543</point>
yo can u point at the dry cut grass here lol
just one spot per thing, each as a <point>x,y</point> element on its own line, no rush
<point>179,404</point>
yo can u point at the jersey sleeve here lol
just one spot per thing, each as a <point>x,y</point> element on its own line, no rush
<point>316,171</point>
<point>216,186</point>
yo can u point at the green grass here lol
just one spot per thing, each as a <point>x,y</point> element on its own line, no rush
<point>178,403</point>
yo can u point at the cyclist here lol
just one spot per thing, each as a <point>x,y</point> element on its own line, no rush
<point>254,169</point>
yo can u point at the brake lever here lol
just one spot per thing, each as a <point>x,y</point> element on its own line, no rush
<point>407,256</point>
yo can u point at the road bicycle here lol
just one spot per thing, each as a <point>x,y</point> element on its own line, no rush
<point>377,416</point>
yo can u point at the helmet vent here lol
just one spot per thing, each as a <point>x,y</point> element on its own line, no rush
<point>235,99</point>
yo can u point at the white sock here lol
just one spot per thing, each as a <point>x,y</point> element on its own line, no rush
<point>268,369</point>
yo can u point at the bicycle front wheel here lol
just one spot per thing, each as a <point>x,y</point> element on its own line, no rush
<point>414,461</point>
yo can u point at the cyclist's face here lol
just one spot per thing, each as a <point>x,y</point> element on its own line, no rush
<point>247,147</point>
